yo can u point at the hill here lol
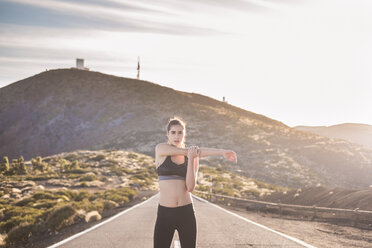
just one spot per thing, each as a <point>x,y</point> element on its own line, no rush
<point>67,109</point>
<point>353,132</point>
<point>324,197</point>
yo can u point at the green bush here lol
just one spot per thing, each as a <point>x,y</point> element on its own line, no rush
<point>44,195</point>
<point>127,171</point>
<point>20,234</point>
<point>10,211</point>
<point>72,167</point>
<point>39,165</point>
<point>72,157</point>
<point>202,188</point>
<point>60,217</point>
<point>112,161</point>
<point>103,179</point>
<point>4,166</point>
<point>237,184</point>
<point>138,183</point>
<point>68,193</point>
<point>84,184</point>
<point>45,204</point>
<point>252,192</point>
<point>74,176</point>
<point>132,155</point>
<point>82,195</point>
<point>25,201</point>
<point>98,158</point>
<point>121,200</point>
<point>267,185</point>
<point>13,215</point>
<point>218,179</point>
<point>120,195</point>
<point>43,176</point>
<point>88,178</point>
<point>225,191</point>
<point>89,205</point>
<point>142,175</point>
<point>75,165</point>
<point>78,171</point>
<point>6,226</point>
<point>117,170</point>
<point>109,204</point>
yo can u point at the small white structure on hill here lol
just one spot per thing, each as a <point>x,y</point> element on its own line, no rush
<point>80,64</point>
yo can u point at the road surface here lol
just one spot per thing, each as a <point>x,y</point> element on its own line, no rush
<point>216,227</point>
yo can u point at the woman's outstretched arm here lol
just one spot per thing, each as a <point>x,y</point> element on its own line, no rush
<point>165,149</point>
<point>228,154</point>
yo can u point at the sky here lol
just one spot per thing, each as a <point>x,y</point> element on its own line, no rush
<point>301,62</point>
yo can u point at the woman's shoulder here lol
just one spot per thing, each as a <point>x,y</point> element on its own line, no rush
<point>160,159</point>
<point>161,145</point>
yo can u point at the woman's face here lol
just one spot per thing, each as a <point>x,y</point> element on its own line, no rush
<point>176,135</point>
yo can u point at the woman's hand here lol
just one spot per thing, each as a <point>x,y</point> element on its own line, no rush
<point>231,156</point>
<point>193,151</point>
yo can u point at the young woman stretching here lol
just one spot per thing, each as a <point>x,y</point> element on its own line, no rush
<point>177,168</point>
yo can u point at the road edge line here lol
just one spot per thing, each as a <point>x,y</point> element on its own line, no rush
<point>257,224</point>
<point>99,224</point>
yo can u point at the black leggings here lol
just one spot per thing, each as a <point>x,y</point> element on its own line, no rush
<point>181,219</point>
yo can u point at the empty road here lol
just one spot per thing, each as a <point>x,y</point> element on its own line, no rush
<point>217,227</point>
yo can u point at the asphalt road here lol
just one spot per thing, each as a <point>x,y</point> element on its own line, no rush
<point>216,227</point>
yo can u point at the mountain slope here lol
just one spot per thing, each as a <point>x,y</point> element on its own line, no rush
<point>67,109</point>
<point>353,132</point>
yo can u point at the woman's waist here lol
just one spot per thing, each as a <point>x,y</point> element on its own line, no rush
<point>172,200</point>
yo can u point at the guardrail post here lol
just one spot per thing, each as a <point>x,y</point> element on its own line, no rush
<point>356,212</point>
<point>314,215</point>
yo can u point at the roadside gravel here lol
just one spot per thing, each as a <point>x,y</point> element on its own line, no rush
<point>319,234</point>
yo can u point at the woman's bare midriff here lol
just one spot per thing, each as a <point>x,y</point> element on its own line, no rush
<point>173,193</point>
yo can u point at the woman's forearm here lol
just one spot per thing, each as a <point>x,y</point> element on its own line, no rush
<point>205,151</point>
<point>191,175</point>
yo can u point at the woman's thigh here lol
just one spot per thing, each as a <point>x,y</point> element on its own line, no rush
<point>187,228</point>
<point>164,229</point>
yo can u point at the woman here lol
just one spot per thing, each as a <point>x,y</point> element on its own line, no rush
<point>177,168</point>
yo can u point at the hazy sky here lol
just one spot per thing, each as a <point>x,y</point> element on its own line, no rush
<point>302,62</point>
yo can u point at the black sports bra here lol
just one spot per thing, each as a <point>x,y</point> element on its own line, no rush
<point>170,170</point>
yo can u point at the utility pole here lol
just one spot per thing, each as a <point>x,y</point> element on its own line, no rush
<point>138,68</point>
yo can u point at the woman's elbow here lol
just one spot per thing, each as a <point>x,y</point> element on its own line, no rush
<point>190,188</point>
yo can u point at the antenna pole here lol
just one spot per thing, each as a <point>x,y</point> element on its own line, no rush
<point>138,68</point>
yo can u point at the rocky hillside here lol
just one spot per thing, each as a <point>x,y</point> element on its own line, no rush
<point>324,197</point>
<point>353,132</point>
<point>67,109</point>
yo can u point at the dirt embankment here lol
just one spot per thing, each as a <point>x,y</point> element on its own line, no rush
<point>318,234</point>
<point>325,197</point>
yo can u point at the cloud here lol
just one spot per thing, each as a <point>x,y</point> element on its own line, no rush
<point>127,18</point>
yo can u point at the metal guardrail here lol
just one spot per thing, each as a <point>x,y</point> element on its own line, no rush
<point>354,217</point>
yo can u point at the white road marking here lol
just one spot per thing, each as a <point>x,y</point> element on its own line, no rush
<point>262,226</point>
<point>177,244</point>
<point>100,224</point>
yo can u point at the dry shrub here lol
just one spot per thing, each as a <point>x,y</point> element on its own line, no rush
<point>109,204</point>
<point>60,217</point>
<point>20,234</point>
